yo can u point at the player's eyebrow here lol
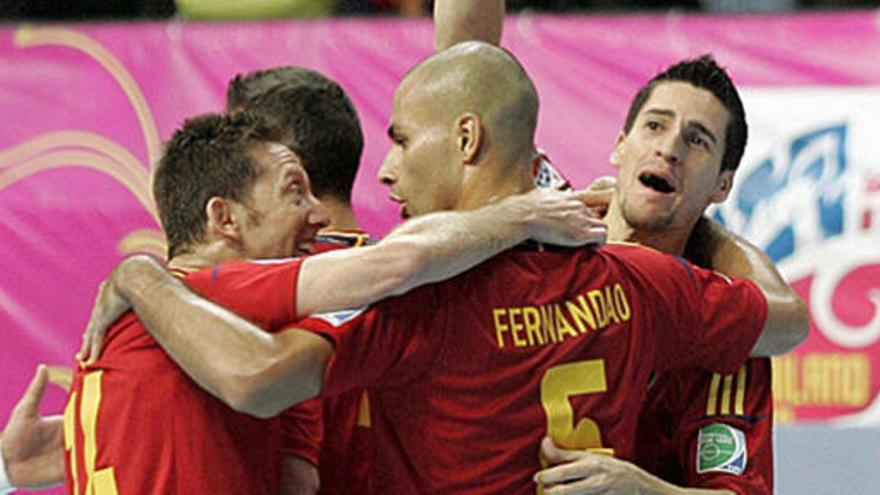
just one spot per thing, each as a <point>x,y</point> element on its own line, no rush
<point>663,112</point>
<point>705,130</point>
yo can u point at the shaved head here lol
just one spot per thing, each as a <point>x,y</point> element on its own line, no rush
<point>483,79</point>
<point>462,127</point>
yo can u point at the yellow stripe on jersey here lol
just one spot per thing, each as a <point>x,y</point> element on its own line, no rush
<point>91,401</point>
<point>740,391</point>
<point>70,440</point>
<point>729,398</point>
<point>713,394</point>
<point>725,395</point>
<point>101,482</point>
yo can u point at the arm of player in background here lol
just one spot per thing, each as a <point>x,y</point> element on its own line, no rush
<point>456,21</point>
<point>576,472</point>
<point>299,477</point>
<point>32,446</point>
<point>725,252</point>
<point>262,374</point>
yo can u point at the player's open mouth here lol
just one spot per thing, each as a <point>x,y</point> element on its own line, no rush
<point>656,182</point>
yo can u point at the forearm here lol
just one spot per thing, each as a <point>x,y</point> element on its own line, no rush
<point>251,370</point>
<point>421,251</point>
<point>652,485</point>
<point>787,321</point>
<point>464,20</point>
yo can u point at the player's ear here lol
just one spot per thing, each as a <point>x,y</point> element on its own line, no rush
<point>723,185</point>
<point>222,219</point>
<point>617,153</point>
<point>469,137</point>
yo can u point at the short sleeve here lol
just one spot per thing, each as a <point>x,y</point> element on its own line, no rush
<point>715,320</point>
<point>725,435</point>
<point>253,288</point>
<point>302,426</point>
<point>388,344</point>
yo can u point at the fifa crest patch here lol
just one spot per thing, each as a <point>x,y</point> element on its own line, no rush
<point>722,449</point>
<point>337,318</point>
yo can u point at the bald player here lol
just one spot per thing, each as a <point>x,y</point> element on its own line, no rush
<point>691,415</point>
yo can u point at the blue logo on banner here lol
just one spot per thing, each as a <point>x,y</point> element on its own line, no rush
<point>802,190</point>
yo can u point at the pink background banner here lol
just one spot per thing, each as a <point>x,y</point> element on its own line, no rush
<point>86,107</point>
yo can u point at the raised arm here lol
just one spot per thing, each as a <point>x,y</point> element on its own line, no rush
<point>262,374</point>
<point>465,20</point>
<point>787,324</point>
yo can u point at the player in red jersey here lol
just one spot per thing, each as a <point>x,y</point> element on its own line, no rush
<point>320,124</point>
<point>671,443</point>
<point>331,159</point>
<point>699,429</point>
<point>136,424</point>
<point>591,333</point>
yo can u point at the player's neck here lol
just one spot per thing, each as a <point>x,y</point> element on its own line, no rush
<point>670,240</point>
<point>490,182</point>
<point>341,214</point>
<point>203,256</point>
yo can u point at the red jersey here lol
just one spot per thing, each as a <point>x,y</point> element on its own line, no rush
<point>706,430</point>
<point>467,376</point>
<point>344,463</point>
<point>136,424</point>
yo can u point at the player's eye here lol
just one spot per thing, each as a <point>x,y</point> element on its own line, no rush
<point>697,140</point>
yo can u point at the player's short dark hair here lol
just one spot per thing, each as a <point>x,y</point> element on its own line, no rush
<point>705,73</point>
<point>210,155</point>
<point>315,119</point>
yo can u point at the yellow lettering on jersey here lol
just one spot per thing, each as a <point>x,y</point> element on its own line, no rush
<point>621,303</point>
<point>610,309</point>
<point>532,320</point>
<point>516,327</point>
<point>580,313</point>
<point>500,327</point>
<point>563,327</point>
<point>598,303</point>
<point>528,326</point>
<point>547,324</point>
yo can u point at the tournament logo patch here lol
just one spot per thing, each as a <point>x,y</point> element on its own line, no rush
<point>721,448</point>
<point>338,318</point>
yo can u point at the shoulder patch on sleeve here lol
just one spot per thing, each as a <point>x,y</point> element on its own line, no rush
<point>338,318</point>
<point>721,448</point>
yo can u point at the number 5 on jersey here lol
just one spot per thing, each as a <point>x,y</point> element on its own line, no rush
<point>558,385</point>
<point>101,482</point>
